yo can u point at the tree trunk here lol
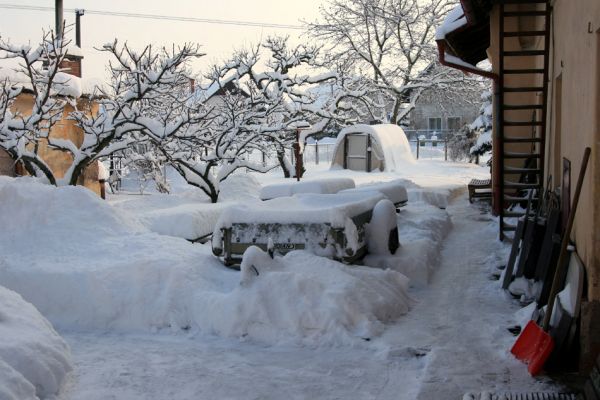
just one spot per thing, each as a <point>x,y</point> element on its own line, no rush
<point>281,159</point>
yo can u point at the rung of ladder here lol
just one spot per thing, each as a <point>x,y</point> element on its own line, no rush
<point>522,106</point>
<point>512,154</point>
<point>524,33</point>
<point>513,214</point>
<point>518,199</point>
<point>523,89</point>
<point>519,185</point>
<point>517,170</point>
<point>508,227</point>
<point>524,53</point>
<point>522,1</point>
<point>509,139</point>
<point>523,71</point>
<point>524,13</point>
<point>522,123</point>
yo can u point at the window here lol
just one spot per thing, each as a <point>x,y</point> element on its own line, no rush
<point>453,123</point>
<point>435,124</point>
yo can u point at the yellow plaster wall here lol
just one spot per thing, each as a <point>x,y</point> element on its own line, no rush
<point>576,58</point>
<point>60,161</point>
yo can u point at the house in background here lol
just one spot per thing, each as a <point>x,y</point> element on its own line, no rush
<point>545,58</point>
<point>58,161</point>
<point>442,111</point>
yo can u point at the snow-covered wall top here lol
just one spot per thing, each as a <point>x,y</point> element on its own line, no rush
<point>391,144</point>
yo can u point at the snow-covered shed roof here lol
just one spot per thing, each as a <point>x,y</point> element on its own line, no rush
<point>389,139</point>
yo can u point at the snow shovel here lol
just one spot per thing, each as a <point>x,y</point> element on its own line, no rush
<point>534,345</point>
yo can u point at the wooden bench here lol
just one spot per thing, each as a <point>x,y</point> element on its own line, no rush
<point>480,189</point>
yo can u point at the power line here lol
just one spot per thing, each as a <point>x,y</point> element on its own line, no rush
<point>157,17</point>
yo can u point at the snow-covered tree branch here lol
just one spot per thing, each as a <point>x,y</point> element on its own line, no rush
<point>390,41</point>
<point>38,75</point>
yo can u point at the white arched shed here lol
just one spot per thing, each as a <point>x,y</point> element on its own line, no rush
<point>382,147</point>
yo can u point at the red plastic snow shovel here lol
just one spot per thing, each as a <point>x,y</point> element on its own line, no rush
<point>534,344</point>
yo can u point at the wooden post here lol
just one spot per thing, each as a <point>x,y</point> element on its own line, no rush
<point>368,153</point>
<point>317,152</point>
<point>345,162</point>
<point>446,148</point>
<point>418,146</point>
<point>298,155</point>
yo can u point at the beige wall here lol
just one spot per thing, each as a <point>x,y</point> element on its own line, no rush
<point>60,161</point>
<point>573,120</point>
<point>576,61</point>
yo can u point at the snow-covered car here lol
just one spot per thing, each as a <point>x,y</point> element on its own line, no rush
<point>330,225</point>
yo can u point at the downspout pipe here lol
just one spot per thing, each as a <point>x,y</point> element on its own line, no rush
<point>496,138</point>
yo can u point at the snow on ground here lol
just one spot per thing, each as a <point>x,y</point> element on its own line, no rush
<point>453,341</point>
<point>100,270</point>
<point>150,315</point>
<point>34,360</point>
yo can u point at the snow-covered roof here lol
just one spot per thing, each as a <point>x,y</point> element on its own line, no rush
<point>391,139</point>
<point>71,85</point>
<point>454,20</point>
<point>206,92</point>
<point>75,51</point>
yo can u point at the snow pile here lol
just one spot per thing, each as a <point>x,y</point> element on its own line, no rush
<point>319,186</point>
<point>34,360</point>
<point>86,267</point>
<point>382,225</point>
<point>302,296</point>
<point>422,228</point>
<point>394,190</point>
<point>56,220</point>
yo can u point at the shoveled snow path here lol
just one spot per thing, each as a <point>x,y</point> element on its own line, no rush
<point>453,341</point>
<point>459,323</point>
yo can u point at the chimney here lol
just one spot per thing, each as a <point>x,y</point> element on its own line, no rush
<point>58,14</point>
<point>72,61</point>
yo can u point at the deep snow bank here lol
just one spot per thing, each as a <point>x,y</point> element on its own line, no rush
<point>306,296</point>
<point>86,266</point>
<point>34,360</point>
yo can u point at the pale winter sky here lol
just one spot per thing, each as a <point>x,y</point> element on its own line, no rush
<point>218,41</point>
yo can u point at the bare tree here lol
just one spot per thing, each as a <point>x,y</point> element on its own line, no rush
<point>294,89</point>
<point>390,41</point>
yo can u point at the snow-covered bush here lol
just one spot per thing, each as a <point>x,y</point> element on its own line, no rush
<point>460,144</point>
